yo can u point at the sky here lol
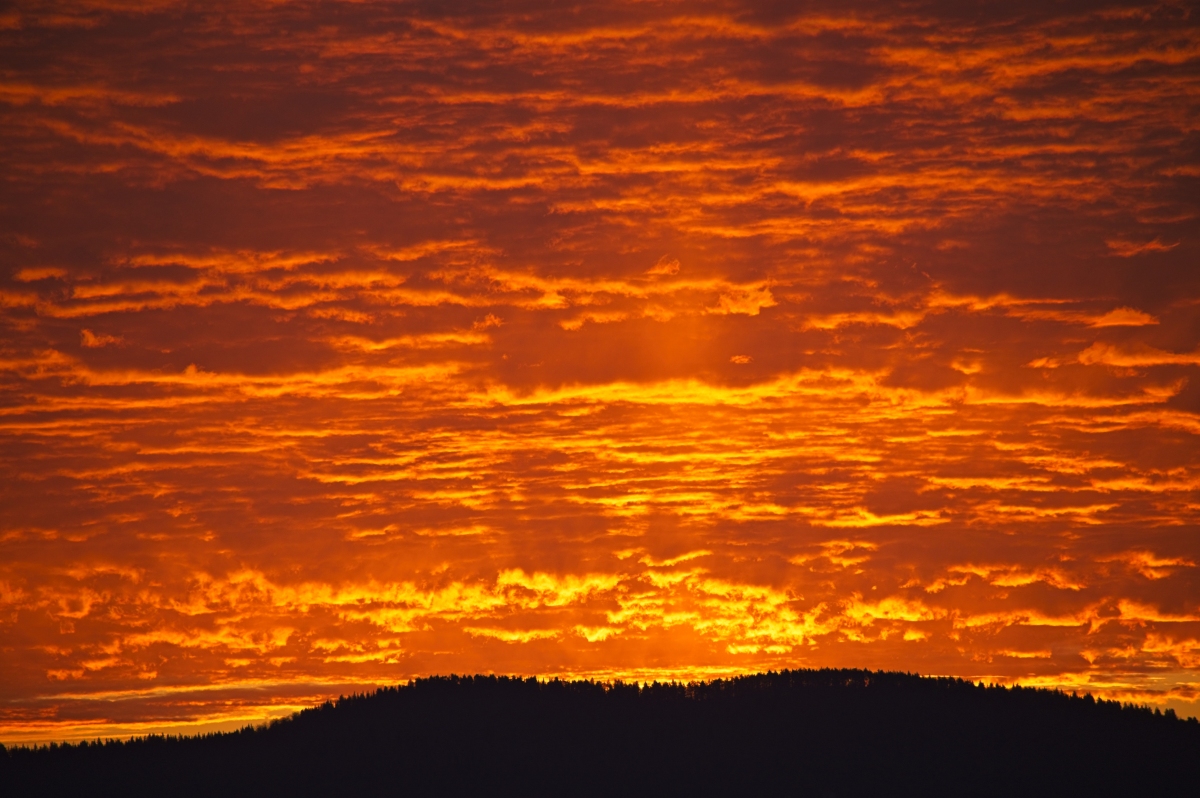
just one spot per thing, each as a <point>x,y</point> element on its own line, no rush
<point>345,343</point>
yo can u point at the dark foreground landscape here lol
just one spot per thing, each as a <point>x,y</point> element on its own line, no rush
<point>804,732</point>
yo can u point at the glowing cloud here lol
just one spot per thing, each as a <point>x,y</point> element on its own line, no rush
<point>645,342</point>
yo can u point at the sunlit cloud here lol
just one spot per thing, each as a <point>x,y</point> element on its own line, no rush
<point>665,342</point>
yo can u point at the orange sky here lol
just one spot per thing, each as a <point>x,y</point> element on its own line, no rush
<point>346,343</point>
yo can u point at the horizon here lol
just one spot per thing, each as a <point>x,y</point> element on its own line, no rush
<point>334,701</point>
<point>349,343</point>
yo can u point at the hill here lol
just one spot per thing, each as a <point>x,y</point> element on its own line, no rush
<point>802,732</point>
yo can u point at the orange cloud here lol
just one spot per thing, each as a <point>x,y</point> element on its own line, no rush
<point>649,343</point>
<point>91,340</point>
<point>1108,355</point>
<point>1149,565</point>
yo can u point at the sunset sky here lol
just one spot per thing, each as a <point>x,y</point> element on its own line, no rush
<point>343,343</point>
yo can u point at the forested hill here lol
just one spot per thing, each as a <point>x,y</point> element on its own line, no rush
<point>803,732</point>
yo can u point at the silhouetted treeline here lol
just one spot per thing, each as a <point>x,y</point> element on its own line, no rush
<point>803,732</point>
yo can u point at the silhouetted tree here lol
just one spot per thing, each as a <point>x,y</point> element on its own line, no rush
<point>800,732</point>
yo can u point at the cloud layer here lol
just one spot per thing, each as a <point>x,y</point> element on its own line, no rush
<point>343,344</point>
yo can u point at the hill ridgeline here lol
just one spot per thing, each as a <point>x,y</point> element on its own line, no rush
<point>801,732</point>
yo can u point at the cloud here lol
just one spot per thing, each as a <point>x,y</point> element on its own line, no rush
<point>1150,565</point>
<point>91,340</point>
<point>33,274</point>
<point>664,267</point>
<point>648,342</point>
<point>1127,249</point>
<point>1124,317</point>
<point>1110,355</point>
<point>749,301</point>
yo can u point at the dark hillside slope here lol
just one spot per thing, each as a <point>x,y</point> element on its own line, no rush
<point>828,732</point>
